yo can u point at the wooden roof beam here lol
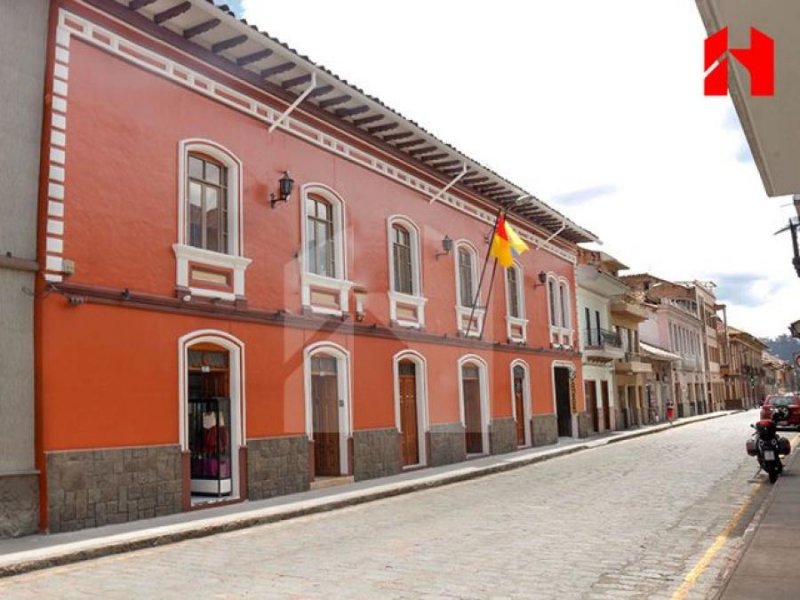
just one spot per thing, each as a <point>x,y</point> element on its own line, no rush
<point>430,157</point>
<point>282,68</point>
<point>384,127</point>
<point>397,136</point>
<point>423,150</point>
<point>320,91</point>
<point>334,101</point>
<point>137,4</point>
<point>409,143</point>
<point>367,120</point>
<point>253,57</point>
<point>295,81</point>
<point>190,32</point>
<point>446,164</point>
<point>171,13</point>
<point>349,112</point>
<point>229,43</point>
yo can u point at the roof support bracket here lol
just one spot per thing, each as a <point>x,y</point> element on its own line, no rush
<point>296,103</point>
<point>457,178</point>
<point>548,240</point>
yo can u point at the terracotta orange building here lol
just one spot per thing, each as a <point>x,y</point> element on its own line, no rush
<point>259,278</point>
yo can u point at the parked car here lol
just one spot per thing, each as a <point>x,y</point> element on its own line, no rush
<point>785,408</point>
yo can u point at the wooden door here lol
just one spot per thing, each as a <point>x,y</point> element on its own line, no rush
<point>472,409</point>
<point>325,398</point>
<point>519,403</point>
<point>408,413</point>
<point>590,393</point>
<point>606,405</point>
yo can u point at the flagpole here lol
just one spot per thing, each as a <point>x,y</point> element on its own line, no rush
<point>483,273</point>
<point>488,297</point>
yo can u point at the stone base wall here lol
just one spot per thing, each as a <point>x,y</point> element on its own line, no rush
<point>585,426</point>
<point>376,453</point>
<point>503,435</point>
<point>545,430</point>
<point>90,488</point>
<point>277,466</point>
<point>448,444</point>
<point>19,504</point>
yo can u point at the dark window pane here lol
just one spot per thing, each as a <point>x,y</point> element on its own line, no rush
<point>513,293</point>
<point>465,275</point>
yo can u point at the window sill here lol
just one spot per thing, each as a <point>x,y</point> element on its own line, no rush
<point>406,310</point>
<point>463,317</point>
<point>326,295</point>
<point>229,268</point>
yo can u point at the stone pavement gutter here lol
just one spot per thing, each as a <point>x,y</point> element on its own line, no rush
<point>31,553</point>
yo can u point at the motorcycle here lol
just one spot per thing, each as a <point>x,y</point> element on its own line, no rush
<point>768,446</point>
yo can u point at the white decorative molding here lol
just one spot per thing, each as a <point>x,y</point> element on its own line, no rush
<point>189,254</point>
<point>71,24</point>
<point>56,172</point>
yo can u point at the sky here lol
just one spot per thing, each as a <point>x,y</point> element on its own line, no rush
<point>595,107</point>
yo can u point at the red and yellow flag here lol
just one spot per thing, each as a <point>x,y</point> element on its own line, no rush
<point>505,243</point>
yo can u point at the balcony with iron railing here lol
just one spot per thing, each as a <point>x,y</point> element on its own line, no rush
<point>602,344</point>
<point>633,363</point>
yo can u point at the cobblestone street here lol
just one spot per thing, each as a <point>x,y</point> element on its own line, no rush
<point>628,520</point>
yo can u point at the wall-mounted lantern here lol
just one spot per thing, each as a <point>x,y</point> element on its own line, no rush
<point>447,246</point>
<point>285,187</point>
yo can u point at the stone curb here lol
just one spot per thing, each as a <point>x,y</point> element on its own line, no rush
<point>33,560</point>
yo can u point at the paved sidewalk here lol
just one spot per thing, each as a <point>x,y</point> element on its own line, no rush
<point>769,566</point>
<point>42,551</point>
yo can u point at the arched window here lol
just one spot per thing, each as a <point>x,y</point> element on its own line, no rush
<point>209,246</point>
<point>466,288</point>
<point>516,324</point>
<point>406,300</point>
<point>324,265</point>
<point>559,306</point>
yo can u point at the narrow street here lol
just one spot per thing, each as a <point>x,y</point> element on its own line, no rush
<point>629,520</point>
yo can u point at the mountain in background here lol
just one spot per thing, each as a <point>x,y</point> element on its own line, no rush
<point>783,346</point>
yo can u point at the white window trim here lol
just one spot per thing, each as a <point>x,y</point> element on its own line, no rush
<point>343,379</point>
<point>559,329</point>
<point>520,321</point>
<point>417,298</point>
<point>184,253</point>
<point>486,417</point>
<point>340,283</point>
<point>526,398</point>
<point>465,311</point>
<point>235,348</point>
<point>422,399</point>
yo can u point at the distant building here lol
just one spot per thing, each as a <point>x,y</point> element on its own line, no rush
<point>676,324</point>
<point>747,370</point>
